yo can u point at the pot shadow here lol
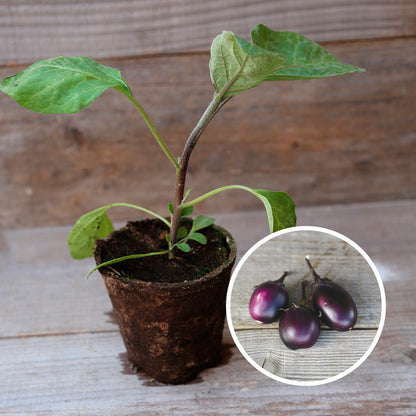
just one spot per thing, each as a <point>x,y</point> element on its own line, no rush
<point>112,319</point>
<point>129,369</point>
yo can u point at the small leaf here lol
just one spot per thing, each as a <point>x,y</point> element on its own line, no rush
<point>200,238</point>
<point>237,65</point>
<point>63,84</point>
<point>184,247</point>
<point>90,227</point>
<point>280,209</point>
<point>187,211</point>
<point>201,222</point>
<point>303,58</point>
<point>182,232</point>
<point>185,198</point>
<point>170,206</point>
<point>167,237</point>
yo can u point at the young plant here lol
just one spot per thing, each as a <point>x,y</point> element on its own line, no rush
<point>68,84</point>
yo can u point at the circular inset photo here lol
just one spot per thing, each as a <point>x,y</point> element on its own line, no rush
<point>306,306</point>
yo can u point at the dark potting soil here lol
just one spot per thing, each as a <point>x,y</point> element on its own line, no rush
<point>139,237</point>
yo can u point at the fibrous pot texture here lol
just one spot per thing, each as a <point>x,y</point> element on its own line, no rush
<point>171,330</point>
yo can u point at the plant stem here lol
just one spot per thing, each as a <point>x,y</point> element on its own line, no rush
<point>282,279</point>
<point>304,298</point>
<point>130,257</point>
<point>153,130</point>
<point>316,276</point>
<point>216,103</point>
<point>147,211</point>
<point>217,191</point>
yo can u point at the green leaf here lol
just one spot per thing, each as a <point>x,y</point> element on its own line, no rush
<point>185,198</point>
<point>170,206</point>
<point>182,232</point>
<point>167,237</point>
<point>184,247</point>
<point>90,227</point>
<point>187,211</point>
<point>237,65</point>
<point>279,207</point>
<point>201,222</point>
<point>63,84</point>
<point>303,58</point>
<point>200,238</point>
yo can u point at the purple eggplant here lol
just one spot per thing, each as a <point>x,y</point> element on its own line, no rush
<point>268,299</point>
<point>299,327</point>
<point>334,304</point>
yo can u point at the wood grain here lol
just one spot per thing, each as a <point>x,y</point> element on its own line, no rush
<point>332,258</point>
<point>86,306</point>
<point>333,354</point>
<point>33,30</point>
<point>79,367</point>
<point>337,140</point>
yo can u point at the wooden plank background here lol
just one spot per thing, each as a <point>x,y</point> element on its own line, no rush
<point>332,257</point>
<point>63,355</point>
<point>31,30</point>
<point>338,140</point>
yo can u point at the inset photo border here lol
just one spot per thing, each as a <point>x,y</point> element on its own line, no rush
<point>339,262</point>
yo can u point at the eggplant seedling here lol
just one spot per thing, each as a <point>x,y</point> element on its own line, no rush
<point>299,327</point>
<point>334,304</point>
<point>69,84</point>
<point>268,300</point>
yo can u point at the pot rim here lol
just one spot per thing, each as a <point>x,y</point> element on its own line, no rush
<point>184,284</point>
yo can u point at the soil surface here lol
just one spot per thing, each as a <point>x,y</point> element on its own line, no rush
<point>139,237</point>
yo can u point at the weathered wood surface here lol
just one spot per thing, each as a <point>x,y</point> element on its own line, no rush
<point>33,30</point>
<point>337,140</point>
<point>63,355</point>
<point>369,225</point>
<point>333,258</point>
<point>332,355</point>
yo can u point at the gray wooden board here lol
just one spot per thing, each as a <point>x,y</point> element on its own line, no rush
<point>31,30</point>
<point>64,355</point>
<point>332,258</point>
<point>87,374</point>
<point>31,280</point>
<point>333,354</point>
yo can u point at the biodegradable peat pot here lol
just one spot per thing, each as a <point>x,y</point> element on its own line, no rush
<point>171,330</point>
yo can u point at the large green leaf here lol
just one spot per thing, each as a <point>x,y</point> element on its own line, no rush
<point>63,84</point>
<point>90,227</point>
<point>237,65</point>
<point>303,58</point>
<point>280,209</point>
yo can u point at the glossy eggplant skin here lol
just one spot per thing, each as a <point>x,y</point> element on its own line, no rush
<point>299,328</point>
<point>267,301</point>
<point>334,304</point>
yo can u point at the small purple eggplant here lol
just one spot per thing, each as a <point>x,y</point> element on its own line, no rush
<point>299,327</point>
<point>268,299</point>
<point>334,304</point>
